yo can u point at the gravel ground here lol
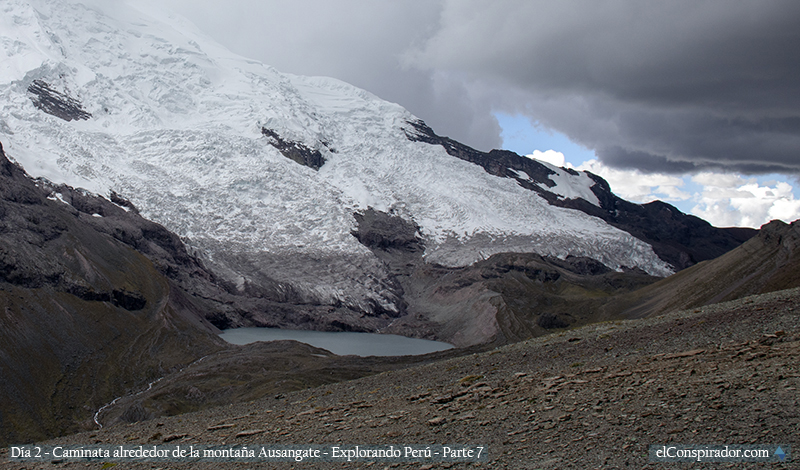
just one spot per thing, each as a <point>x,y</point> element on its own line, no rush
<point>594,397</point>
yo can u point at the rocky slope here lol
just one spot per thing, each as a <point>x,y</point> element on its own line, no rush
<point>594,397</point>
<point>96,302</point>
<point>274,200</point>
<point>99,302</point>
<point>85,316</point>
<point>504,298</point>
<point>767,262</point>
<point>245,373</point>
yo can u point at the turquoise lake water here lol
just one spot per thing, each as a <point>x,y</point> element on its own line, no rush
<point>341,343</point>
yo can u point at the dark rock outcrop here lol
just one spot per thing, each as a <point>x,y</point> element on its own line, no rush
<point>551,321</point>
<point>497,162</point>
<point>679,239</point>
<point>55,103</point>
<point>6,167</point>
<point>296,151</point>
<point>385,231</point>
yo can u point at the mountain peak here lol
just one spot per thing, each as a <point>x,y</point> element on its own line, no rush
<point>256,169</point>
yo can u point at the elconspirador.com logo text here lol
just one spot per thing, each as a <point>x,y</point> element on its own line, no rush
<point>720,453</point>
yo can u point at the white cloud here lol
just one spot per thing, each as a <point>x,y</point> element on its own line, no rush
<point>730,200</point>
<point>719,180</point>
<point>723,199</point>
<point>636,186</point>
<point>549,156</point>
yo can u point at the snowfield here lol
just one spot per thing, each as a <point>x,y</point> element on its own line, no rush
<point>176,128</point>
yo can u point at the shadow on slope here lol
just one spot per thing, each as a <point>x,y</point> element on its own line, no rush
<point>768,262</point>
<point>83,316</point>
<point>250,372</point>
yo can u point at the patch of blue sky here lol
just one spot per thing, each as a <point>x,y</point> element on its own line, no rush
<point>523,136</point>
<point>520,135</point>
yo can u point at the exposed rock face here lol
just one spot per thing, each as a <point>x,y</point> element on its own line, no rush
<point>677,238</point>
<point>505,298</point>
<point>84,317</point>
<point>118,220</point>
<point>56,103</point>
<point>496,162</point>
<point>379,230</point>
<point>6,167</point>
<point>296,151</point>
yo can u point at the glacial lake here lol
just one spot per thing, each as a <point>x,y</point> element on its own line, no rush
<point>341,343</point>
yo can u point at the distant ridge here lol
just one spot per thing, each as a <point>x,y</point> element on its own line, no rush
<point>677,238</point>
<point>768,262</point>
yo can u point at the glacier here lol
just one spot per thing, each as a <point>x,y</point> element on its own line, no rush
<point>176,125</point>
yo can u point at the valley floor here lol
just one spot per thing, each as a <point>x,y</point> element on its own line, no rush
<point>594,397</point>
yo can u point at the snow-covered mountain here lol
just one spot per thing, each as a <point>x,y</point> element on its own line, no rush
<point>261,172</point>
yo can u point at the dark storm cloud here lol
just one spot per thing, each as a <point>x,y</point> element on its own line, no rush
<point>660,86</point>
<point>670,86</point>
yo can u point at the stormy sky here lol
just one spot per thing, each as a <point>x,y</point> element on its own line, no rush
<point>679,89</point>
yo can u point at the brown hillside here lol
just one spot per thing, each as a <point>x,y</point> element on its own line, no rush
<point>768,262</point>
<point>594,397</point>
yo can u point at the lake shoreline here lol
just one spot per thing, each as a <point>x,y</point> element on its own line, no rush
<point>341,343</point>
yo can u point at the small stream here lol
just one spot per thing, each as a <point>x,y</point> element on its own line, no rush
<point>149,387</point>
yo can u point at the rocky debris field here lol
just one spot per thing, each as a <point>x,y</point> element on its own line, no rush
<point>594,397</point>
